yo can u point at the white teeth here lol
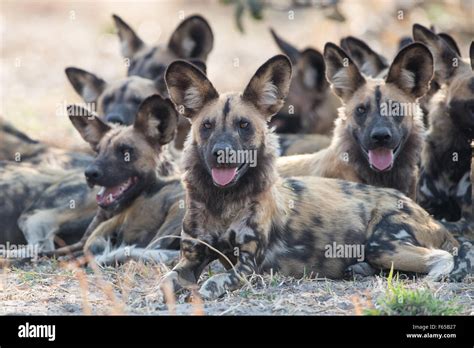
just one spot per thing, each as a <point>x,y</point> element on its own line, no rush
<point>101,191</point>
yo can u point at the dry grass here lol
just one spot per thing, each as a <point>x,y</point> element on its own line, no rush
<point>50,287</point>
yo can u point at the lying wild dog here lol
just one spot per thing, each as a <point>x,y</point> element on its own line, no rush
<point>260,221</point>
<point>19,147</point>
<point>192,40</point>
<point>141,200</point>
<point>311,106</point>
<point>378,134</point>
<point>41,205</point>
<point>444,187</point>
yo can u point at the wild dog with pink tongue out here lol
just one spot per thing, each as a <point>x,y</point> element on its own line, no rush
<point>379,131</point>
<point>255,221</point>
<point>141,200</point>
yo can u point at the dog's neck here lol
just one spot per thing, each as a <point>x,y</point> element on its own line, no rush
<point>200,186</point>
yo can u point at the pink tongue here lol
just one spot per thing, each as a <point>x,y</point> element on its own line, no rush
<point>105,196</point>
<point>381,158</point>
<point>223,176</point>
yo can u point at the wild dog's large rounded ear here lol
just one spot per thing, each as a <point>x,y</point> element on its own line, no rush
<point>312,70</point>
<point>451,42</point>
<point>130,43</point>
<point>90,127</point>
<point>342,72</point>
<point>269,86</point>
<point>198,63</point>
<point>188,88</point>
<point>369,62</point>
<point>446,60</point>
<point>292,52</point>
<point>157,119</point>
<point>471,54</point>
<point>193,38</point>
<point>412,70</point>
<point>88,85</point>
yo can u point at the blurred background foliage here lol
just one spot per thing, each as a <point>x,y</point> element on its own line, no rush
<point>38,39</point>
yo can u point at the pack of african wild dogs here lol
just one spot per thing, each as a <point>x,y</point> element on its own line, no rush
<point>343,147</point>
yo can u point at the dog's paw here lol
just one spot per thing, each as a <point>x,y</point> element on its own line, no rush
<point>359,271</point>
<point>463,262</point>
<point>216,286</point>
<point>169,283</point>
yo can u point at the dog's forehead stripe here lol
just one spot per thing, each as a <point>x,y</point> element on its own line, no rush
<point>378,97</point>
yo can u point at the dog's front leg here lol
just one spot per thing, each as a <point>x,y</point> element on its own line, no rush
<point>247,247</point>
<point>194,257</point>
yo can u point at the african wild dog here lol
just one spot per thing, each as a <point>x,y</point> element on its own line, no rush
<point>378,134</point>
<point>115,102</point>
<point>44,203</point>
<point>311,106</point>
<point>141,200</point>
<point>19,147</point>
<point>192,40</point>
<point>444,187</point>
<point>36,205</point>
<point>260,221</point>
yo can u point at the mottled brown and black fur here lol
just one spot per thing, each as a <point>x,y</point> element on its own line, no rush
<point>141,200</point>
<point>192,40</point>
<point>444,187</point>
<point>45,201</point>
<point>362,127</point>
<point>259,221</point>
<point>17,146</point>
<point>42,206</point>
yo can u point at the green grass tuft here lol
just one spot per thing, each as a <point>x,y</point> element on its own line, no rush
<point>398,300</point>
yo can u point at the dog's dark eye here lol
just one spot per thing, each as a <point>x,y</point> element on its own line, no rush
<point>136,100</point>
<point>207,125</point>
<point>243,124</point>
<point>107,99</point>
<point>361,110</point>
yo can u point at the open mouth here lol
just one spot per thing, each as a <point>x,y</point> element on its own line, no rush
<point>226,176</point>
<point>382,159</point>
<point>110,195</point>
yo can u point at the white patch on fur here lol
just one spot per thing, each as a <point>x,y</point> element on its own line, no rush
<point>341,80</point>
<point>269,94</point>
<point>111,255</point>
<point>39,229</point>
<point>89,94</point>
<point>440,263</point>
<point>152,126</point>
<point>407,78</point>
<point>401,234</point>
<point>425,190</point>
<point>188,45</point>
<point>192,98</point>
<point>309,78</point>
<point>464,185</point>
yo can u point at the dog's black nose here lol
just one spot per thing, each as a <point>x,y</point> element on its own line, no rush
<point>219,149</point>
<point>381,135</point>
<point>115,118</point>
<point>93,173</point>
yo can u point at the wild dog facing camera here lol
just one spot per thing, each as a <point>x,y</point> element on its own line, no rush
<point>381,113</point>
<point>228,131</point>
<point>127,156</point>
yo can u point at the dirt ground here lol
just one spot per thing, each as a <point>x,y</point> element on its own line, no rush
<point>39,39</point>
<point>49,287</point>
